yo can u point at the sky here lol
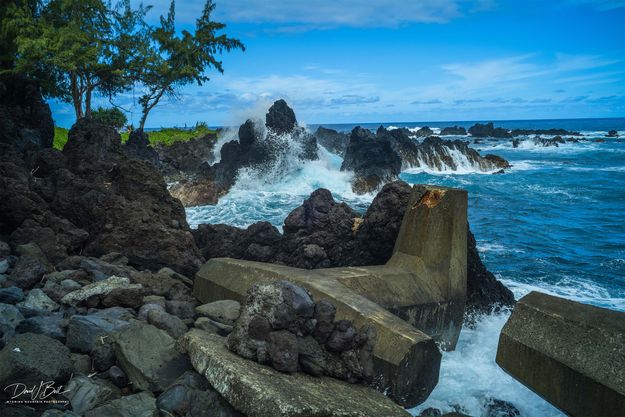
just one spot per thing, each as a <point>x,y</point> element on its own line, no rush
<point>354,61</point>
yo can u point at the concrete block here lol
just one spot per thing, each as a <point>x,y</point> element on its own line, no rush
<point>571,354</point>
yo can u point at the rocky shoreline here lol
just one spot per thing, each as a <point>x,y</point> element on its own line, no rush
<point>97,270</point>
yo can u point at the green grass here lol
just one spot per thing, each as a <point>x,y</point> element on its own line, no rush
<point>165,136</point>
<point>60,137</point>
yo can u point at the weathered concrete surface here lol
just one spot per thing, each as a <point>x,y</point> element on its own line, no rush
<point>423,283</point>
<point>260,391</point>
<point>571,354</point>
<point>406,360</point>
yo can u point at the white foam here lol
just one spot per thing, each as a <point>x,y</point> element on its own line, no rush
<point>469,376</point>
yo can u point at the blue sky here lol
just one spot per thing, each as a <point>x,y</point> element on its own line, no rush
<point>358,61</point>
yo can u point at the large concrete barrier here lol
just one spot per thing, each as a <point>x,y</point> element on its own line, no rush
<point>571,354</point>
<point>424,283</point>
<point>261,391</point>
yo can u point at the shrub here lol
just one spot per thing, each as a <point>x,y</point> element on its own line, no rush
<point>113,117</point>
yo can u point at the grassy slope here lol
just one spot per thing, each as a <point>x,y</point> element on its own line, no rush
<point>165,136</point>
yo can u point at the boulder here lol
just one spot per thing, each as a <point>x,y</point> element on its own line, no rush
<point>142,404</point>
<point>149,357</point>
<point>192,396</point>
<point>11,295</point>
<point>117,376</point>
<point>10,317</point>
<point>273,326</point>
<point>103,289</point>
<point>569,353</point>
<point>23,360</point>
<point>84,332</point>
<point>37,300</point>
<point>52,326</point>
<point>222,311</point>
<point>259,391</point>
<point>86,393</point>
<point>28,271</point>
<point>612,134</point>
<point>173,325</point>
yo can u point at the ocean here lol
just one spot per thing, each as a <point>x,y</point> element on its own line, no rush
<point>554,222</point>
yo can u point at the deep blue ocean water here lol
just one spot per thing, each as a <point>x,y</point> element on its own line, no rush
<point>554,222</point>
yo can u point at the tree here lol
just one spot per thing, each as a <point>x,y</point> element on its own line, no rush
<point>171,61</point>
<point>77,47</point>
<point>113,117</point>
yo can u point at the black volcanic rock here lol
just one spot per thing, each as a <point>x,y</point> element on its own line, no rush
<point>139,147</point>
<point>25,118</point>
<point>488,130</point>
<point>455,131</point>
<point>547,132</point>
<point>333,141</point>
<point>424,132</point>
<point>281,118</point>
<point>94,199</point>
<point>378,159</point>
<point>262,148</point>
<point>323,233</point>
<point>372,159</point>
<point>612,134</point>
<point>184,158</point>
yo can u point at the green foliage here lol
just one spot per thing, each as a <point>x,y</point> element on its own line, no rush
<point>168,136</point>
<point>172,60</point>
<point>76,47</point>
<point>60,137</point>
<point>113,117</point>
<point>164,136</point>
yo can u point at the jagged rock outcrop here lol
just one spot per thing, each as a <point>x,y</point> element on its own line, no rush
<point>139,147</point>
<point>424,132</point>
<point>487,130</point>
<point>92,198</point>
<point>547,132</point>
<point>378,159</point>
<point>333,141</point>
<point>372,159</point>
<point>612,134</point>
<point>323,233</point>
<point>184,158</point>
<point>25,118</point>
<point>453,131</point>
<point>262,148</point>
<point>554,141</point>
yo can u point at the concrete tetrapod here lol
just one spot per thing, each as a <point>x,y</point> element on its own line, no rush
<point>424,283</point>
<point>571,354</point>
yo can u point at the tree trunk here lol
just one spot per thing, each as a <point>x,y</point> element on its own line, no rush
<point>148,107</point>
<point>76,96</point>
<point>88,101</point>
